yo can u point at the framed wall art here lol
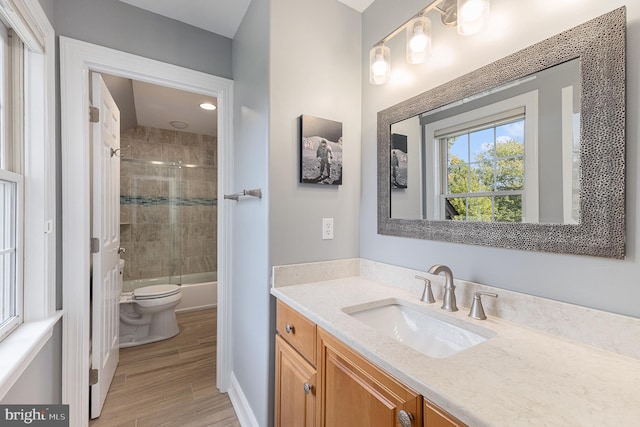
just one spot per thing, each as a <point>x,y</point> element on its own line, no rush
<point>399,161</point>
<point>320,151</point>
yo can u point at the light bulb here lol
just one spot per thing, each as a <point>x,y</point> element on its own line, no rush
<point>418,40</point>
<point>379,66</point>
<point>472,16</point>
<point>379,69</point>
<point>471,10</point>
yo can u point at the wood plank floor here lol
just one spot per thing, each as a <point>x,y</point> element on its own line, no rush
<point>170,383</point>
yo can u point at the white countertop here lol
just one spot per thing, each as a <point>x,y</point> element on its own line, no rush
<point>519,377</point>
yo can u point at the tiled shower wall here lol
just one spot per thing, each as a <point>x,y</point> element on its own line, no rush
<point>168,215</point>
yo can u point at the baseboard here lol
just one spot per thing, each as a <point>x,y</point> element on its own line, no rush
<point>200,307</point>
<point>241,405</point>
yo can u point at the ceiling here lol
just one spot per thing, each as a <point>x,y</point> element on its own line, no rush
<point>146,104</point>
<point>217,16</point>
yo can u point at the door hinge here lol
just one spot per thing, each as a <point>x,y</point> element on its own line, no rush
<point>95,245</point>
<point>93,376</point>
<point>94,114</point>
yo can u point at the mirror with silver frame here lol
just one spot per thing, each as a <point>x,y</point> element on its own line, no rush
<point>526,153</point>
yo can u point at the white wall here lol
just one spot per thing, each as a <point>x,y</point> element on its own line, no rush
<point>610,285</point>
<point>315,70</point>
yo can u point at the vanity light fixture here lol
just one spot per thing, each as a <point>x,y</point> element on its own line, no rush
<point>469,16</point>
<point>207,106</point>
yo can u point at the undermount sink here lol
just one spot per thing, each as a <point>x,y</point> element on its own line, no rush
<point>421,329</point>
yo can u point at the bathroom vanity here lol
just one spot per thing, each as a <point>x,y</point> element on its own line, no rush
<point>320,379</point>
<point>333,368</point>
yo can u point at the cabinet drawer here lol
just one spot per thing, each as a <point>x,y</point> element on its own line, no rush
<point>436,417</point>
<point>297,330</point>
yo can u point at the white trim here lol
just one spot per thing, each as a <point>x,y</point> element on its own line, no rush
<point>76,60</point>
<point>24,21</point>
<point>245,415</point>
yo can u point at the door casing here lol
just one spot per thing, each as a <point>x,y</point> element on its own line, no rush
<point>77,59</point>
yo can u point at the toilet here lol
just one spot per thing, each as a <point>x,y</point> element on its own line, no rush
<point>148,314</point>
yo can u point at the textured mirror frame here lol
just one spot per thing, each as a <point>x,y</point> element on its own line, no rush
<point>600,44</point>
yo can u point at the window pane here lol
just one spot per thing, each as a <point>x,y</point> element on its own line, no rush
<point>482,177</point>
<point>510,174</point>
<point>7,251</point>
<point>480,209</point>
<point>481,144</point>
<point>511,137</point>
<point>458,149</point>
<point>456,208</point>
<point>508,208</point>
<point>458,178</point>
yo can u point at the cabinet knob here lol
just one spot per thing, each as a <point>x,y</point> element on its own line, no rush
<point>288,328</point>
<point>405,418</point>
<point>307,388</point>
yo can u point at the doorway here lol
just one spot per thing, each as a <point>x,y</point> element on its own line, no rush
<point>77,59</point>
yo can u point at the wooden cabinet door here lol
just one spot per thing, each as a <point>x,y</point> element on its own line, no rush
<point>355,393</point>
<point>295,402</point>
<point>436,417</point>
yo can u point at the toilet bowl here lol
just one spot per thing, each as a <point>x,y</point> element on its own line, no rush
<point>148,314</point>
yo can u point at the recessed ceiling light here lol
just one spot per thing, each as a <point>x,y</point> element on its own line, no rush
<point>207,106</point>
<point>178,124</point>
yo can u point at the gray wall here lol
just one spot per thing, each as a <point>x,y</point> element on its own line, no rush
<point>251,306</point>
<point>120,26</point>
<point>305,61</point>
<point>47,7</point>
<point>40,383</point>
<point>315,70</point>
<point>594,282</point>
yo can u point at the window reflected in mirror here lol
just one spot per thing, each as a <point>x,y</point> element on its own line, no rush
<point>510,154</point>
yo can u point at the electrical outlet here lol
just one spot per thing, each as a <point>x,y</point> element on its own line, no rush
<point>327,228</point>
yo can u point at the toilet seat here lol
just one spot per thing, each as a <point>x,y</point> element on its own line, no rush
<point>155,291</point>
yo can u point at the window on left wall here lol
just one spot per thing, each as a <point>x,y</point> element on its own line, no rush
<point>11,180</point>
<point>28,312</point>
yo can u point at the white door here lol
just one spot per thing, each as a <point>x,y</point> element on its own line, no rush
<point>106,228</point>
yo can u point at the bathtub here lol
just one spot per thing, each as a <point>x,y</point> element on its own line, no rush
<point>199,290</point>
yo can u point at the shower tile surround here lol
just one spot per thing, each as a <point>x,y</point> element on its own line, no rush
<point>151,198</point>
<point>550,363</point>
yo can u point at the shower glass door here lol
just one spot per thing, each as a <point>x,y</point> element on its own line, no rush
<point>151,222</point>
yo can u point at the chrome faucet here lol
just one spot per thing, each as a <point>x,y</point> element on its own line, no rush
<point>449,298</point>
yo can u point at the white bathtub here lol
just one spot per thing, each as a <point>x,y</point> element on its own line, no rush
<point>199,290</point>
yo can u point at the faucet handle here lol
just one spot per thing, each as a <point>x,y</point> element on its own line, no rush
<point>427,293</point>
<point>477,312</point>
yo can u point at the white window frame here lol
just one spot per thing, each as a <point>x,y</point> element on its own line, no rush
<point>17,207</point>
<point>20,347</point>
<point>434,155</point>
